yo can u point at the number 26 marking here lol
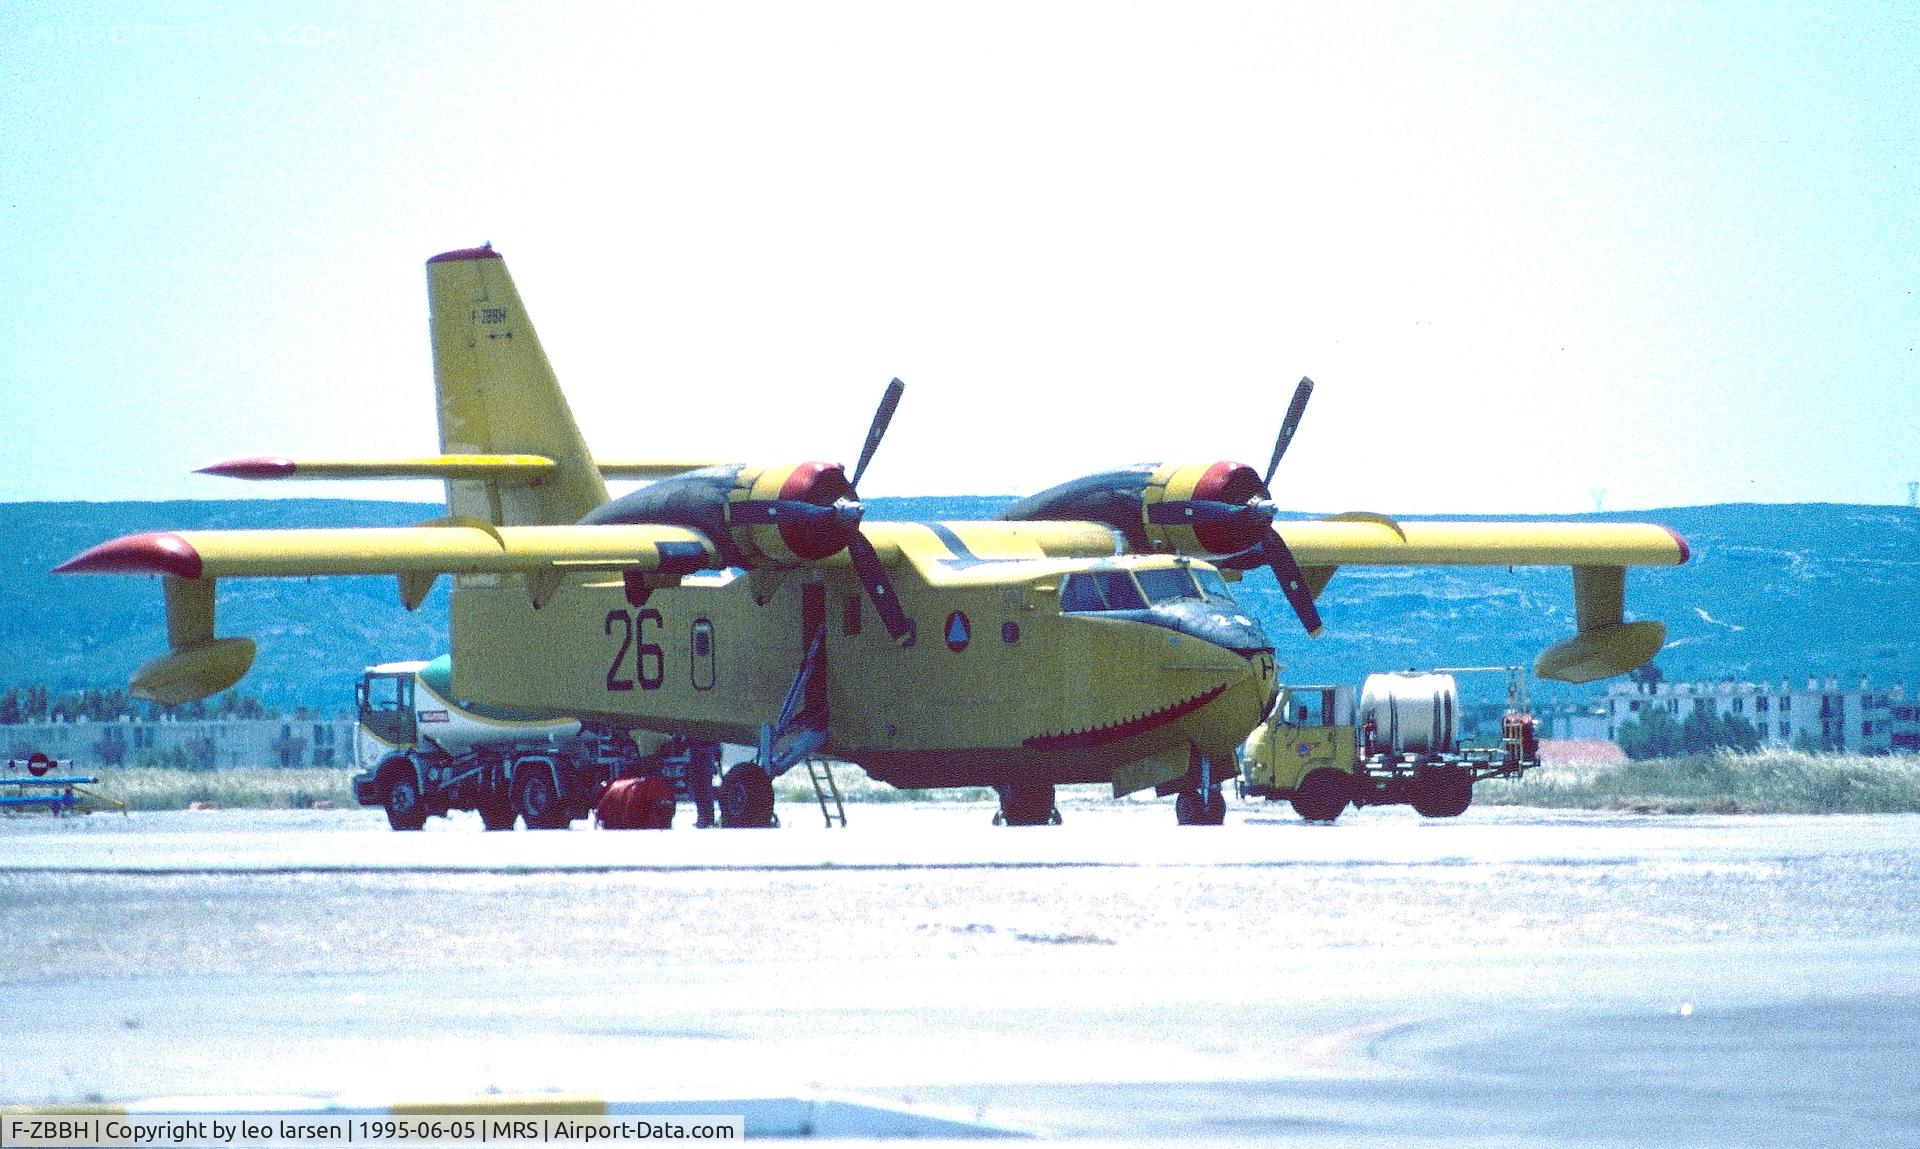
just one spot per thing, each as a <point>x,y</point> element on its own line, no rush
<point>649,659</point>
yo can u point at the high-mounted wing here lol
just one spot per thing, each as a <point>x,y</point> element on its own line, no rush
<point>190,562</point>
<point>1604,643</point>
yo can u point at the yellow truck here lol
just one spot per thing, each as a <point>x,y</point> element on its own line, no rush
<point>1321,752</point>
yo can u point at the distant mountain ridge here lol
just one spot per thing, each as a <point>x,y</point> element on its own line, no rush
<point>1771,592</point>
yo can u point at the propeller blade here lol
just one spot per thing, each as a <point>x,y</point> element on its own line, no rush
<point>1200,512</point>
<point>1289,425</point>
<point>873,579</point>
<point>773,512</point>
<point>878,428</point>
<point>1293,583</point>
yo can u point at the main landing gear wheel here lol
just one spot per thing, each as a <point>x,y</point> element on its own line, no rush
<point>537,799</point>
<point>746,797</point>
<point>1027,804</point>
<point>1190,809</point>
<point>405,811</point>
<point>1322,795</point>
<point>1442,792</point>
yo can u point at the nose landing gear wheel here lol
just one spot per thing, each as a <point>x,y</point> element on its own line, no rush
<point>1190,809</point>
<point>1027,804</point>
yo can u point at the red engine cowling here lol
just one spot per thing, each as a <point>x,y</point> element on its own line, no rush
<point>1208,510</point>
<point>1214,499</point>
<point>796,536</point>
<point>777,516</point>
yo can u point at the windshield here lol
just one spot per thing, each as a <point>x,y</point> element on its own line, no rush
<point>1212,585</point>
<point>1168,584</point>
<point>385,692</point>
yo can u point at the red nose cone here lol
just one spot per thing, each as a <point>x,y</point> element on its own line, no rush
<point>137,554</point>
<point>821,484</point>
<point>261,467</point>
<point>1227,482</point>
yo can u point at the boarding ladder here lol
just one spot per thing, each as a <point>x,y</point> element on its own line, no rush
<point>820,773</point>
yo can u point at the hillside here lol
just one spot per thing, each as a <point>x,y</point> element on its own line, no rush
<point>1772,592</point>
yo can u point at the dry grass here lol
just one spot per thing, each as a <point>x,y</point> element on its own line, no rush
<point>1722,782</point>
<point>157,788</point>
<point>855,786</point>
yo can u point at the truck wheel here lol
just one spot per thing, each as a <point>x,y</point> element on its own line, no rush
<point>537,799</point>
<point>746,797</point>
<point>405,811</point>
<point>1322,795</point>
<point>1442,792</point>
<point>497,814</point>
<point>1027,804</point>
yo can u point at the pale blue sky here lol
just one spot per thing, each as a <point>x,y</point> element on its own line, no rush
<point>1529,253</point>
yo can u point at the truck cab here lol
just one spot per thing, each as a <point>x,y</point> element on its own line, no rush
<point>384,699</point>
<point>1310,728</point>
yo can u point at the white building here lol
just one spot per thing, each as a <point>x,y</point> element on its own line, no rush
<point>225,743</point>
<point>1862,720</point>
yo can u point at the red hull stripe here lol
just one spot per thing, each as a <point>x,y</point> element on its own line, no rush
<point>1085,739</point>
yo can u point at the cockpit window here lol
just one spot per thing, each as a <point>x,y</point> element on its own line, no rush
<point>1079,593</point>
<point>1100,590</point>
<point>1167,585</point>
<point>1212,585</point>
<point>1118,588</point>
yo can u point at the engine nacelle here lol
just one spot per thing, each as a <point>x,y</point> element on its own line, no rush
<point>779,516</point>
<point>1202,509</point>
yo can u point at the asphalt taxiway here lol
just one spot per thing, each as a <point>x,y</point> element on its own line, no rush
<point>1509,977</point>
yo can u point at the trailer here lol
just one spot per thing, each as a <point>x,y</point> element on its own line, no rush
<point>1398,746</point>
<point>423,754</point>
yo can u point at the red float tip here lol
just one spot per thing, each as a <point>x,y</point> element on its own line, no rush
<point>154,553</point>
<point>261,467</point>
<point>1685,553</point>
<point>466,253</point>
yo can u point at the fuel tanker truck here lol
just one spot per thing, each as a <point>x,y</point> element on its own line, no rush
<point>421,754</point>
<point>1399,746</point>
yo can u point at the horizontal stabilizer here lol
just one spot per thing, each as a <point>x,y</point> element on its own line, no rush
<point>396,550</point>
<point>498,468</point>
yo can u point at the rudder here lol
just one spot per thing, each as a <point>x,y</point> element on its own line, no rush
<point>498,396</point>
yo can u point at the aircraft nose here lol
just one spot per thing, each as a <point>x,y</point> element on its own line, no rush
<point>1222,625</point>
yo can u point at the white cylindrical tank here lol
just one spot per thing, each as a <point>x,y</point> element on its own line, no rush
<point>1410,712</point>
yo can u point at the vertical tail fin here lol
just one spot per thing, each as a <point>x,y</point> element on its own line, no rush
<point>498,396</point>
